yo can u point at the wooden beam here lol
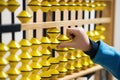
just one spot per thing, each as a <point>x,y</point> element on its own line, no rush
<point>31,26</point>
<point>82,73</point>
<point>109,12</point>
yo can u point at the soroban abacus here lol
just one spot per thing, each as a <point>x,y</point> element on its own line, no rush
<point>40,58</point>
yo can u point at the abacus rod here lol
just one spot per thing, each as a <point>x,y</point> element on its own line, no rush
<point>24,4</point>
<point>62,15</point>
<point>69,17</point>
<point>34,17</point>
<point>53,19</point>
<point>24,34</point>
<point>44,16</point>
<point>95,17</point>
<point>13,21</point>
<point>24,8</point>
<point>34,20</point>
<point>83,16</point>
<point>53,16</point>
<point>89,16</point>
<point>53,52</point>
<point>44,32</point>
<point>89,13</point>
<point>34,33</point>
<point>44,20</point>
<point>69,26</point>
<point>61,28</point>
<point>100,15</point>
<point>95,14</point>
<point>76,16</point>
<point>13,35</point>
<point>0,24</point>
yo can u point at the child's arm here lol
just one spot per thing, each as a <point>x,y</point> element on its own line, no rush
<point>100,52</point>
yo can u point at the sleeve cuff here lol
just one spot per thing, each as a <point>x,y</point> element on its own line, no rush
<point>93,50</point>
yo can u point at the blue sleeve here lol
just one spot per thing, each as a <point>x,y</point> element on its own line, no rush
<point>94,48</point>
<point>109,58</point>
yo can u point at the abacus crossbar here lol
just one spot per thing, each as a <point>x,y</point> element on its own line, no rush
<point>10,28</point>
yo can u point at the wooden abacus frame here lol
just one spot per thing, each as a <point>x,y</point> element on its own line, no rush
<point>107,20</point>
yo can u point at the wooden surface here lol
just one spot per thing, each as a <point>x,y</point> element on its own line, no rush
<point>109,12</point>
<point>63,23</point>
<point>82,73</point>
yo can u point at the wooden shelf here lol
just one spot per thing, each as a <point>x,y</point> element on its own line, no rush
<point>63,23</point>
<point>82,73</point>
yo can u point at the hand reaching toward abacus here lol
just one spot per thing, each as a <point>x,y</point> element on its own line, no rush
<point>79,39</point>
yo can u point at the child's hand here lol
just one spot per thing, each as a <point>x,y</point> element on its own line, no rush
<point>79,39</point>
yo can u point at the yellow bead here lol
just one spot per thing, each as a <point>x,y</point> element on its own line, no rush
<point>3,75</point>
<point>55,5</point>
<point>71,5</point>
<point>34,5</point>
<point>12,5</point>
<point>45,6</point>
<point>24,16</point>
<point>3,5</point>
<point>63,5</point>
<point>78,5</point>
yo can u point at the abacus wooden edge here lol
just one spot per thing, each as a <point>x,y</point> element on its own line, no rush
<point>105,0</point>
<point>31,26</point>
<point>82,73</point>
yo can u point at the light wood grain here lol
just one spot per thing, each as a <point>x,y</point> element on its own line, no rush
<point>82,73</point>
<point>66,23</point>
